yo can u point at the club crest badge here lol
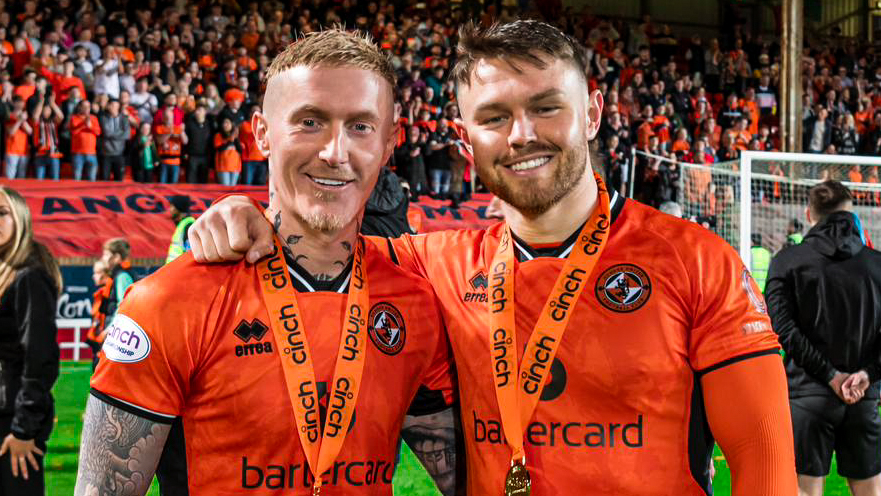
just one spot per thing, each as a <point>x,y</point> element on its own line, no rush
<point>386,328</point>
<point>623,288</point>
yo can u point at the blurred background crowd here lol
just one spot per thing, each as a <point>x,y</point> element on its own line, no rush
<point>163,91</point>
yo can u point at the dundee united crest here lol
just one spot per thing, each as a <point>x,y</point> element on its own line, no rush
<point>623,288</point>
<point>386,328</point>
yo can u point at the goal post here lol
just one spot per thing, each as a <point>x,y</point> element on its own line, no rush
<point>777,185</point>
<point>762,192</point>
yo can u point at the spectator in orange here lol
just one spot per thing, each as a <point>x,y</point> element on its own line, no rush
<point>28,86</point>
<point>713,132</point>
<point>750,108</point>
<point>646,129</point>
<point>228,158</point>
<point>47,150</point>
<point>18,129</point>
<point>170,138</point>
<point>681,146</point>
<point>65,81</point>
<point>661,127</point>
<point>741,135</point>
<point>699,194</point>
<point>253,161</point>
<point>244,62</point>
<point>875,198</point>
<point>84,132</point>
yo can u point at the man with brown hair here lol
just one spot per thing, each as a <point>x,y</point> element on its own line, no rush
<point>299,371</point>
<point>666,323</point>
<point>824,297</point>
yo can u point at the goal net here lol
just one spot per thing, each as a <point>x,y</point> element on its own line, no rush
<point>764,191</point>
<point>778,193</point>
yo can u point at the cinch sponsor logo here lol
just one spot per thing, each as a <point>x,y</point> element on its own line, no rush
<point>574,434</point>
<point>593,241</point>
<point>571,284</point>
<point>352,473</point>
<point>497,292</point>
<point>531,377</point>
<point>126,342</point>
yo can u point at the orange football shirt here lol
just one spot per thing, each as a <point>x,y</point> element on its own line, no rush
<point>193,342</point>
<point>622,412</point>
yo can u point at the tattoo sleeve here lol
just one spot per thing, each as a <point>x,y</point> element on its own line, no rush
<point>436,439</point>
<point>119,451</point>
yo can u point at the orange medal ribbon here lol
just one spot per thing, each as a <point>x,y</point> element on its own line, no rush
<point>518,390</point>
<point>296,358</point>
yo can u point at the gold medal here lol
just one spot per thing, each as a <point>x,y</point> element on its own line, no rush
<point>518,482</point>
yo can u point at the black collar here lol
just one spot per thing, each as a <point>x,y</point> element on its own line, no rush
<point>304,282</point>
<point>526,252</point>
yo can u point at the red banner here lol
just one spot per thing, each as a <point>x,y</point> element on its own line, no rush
<point>74,218</point>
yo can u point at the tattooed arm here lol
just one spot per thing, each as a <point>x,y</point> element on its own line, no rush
<point>119,451</point>
<point>436,439</point>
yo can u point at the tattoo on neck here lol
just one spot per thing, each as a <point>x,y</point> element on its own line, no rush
<point>294,239</point>
<point>323,277</point>
<point>340,263</point>
<point>347,246</point>
<point>276,224</point>
<point>300,257</point>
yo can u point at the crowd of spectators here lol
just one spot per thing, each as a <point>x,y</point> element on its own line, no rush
<point>162,91</point>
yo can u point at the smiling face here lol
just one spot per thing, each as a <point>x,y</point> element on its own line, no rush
<point>529,129</point>
<point>327,131</point>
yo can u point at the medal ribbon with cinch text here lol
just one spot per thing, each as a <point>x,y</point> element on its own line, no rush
<point>288,328</point>
<point>518,389</point>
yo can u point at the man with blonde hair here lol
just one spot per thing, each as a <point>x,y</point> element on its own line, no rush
<point>301,370</point>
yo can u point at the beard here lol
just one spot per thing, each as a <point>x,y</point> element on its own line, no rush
<point>534,199</point>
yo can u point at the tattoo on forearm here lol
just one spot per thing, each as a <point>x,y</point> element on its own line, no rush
<point>119,451</point>
<point>434,439</point>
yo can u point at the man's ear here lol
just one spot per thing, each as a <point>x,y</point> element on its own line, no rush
<point>594,114</point>
<point>261,132</point>
<point>392,141</point>
<point>462,134</point>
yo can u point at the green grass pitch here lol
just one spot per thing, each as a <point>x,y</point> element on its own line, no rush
<point>410,479</point>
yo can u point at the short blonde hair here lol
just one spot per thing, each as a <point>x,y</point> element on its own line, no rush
<point>333,47</point>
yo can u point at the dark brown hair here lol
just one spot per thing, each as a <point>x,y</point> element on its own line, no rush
<point>519,41</point>
<point>826,198</point>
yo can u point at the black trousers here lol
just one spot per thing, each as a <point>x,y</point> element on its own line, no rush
<point>17,486</point>
<point>112,164</point>
<point>197,169</point>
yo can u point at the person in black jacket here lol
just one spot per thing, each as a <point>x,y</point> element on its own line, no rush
<point>824,299</point>
<point>30,281</point>
<point>200,145</point>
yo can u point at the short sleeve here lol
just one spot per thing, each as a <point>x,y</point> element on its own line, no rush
<point>147,358</point>
<point>730,318</point>
<point>437,391</point>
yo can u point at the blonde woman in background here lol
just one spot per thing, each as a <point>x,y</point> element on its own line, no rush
<point>30,281</point>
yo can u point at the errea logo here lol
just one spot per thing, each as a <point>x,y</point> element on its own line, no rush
<point>254,330</point>
<point>478,284</point>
